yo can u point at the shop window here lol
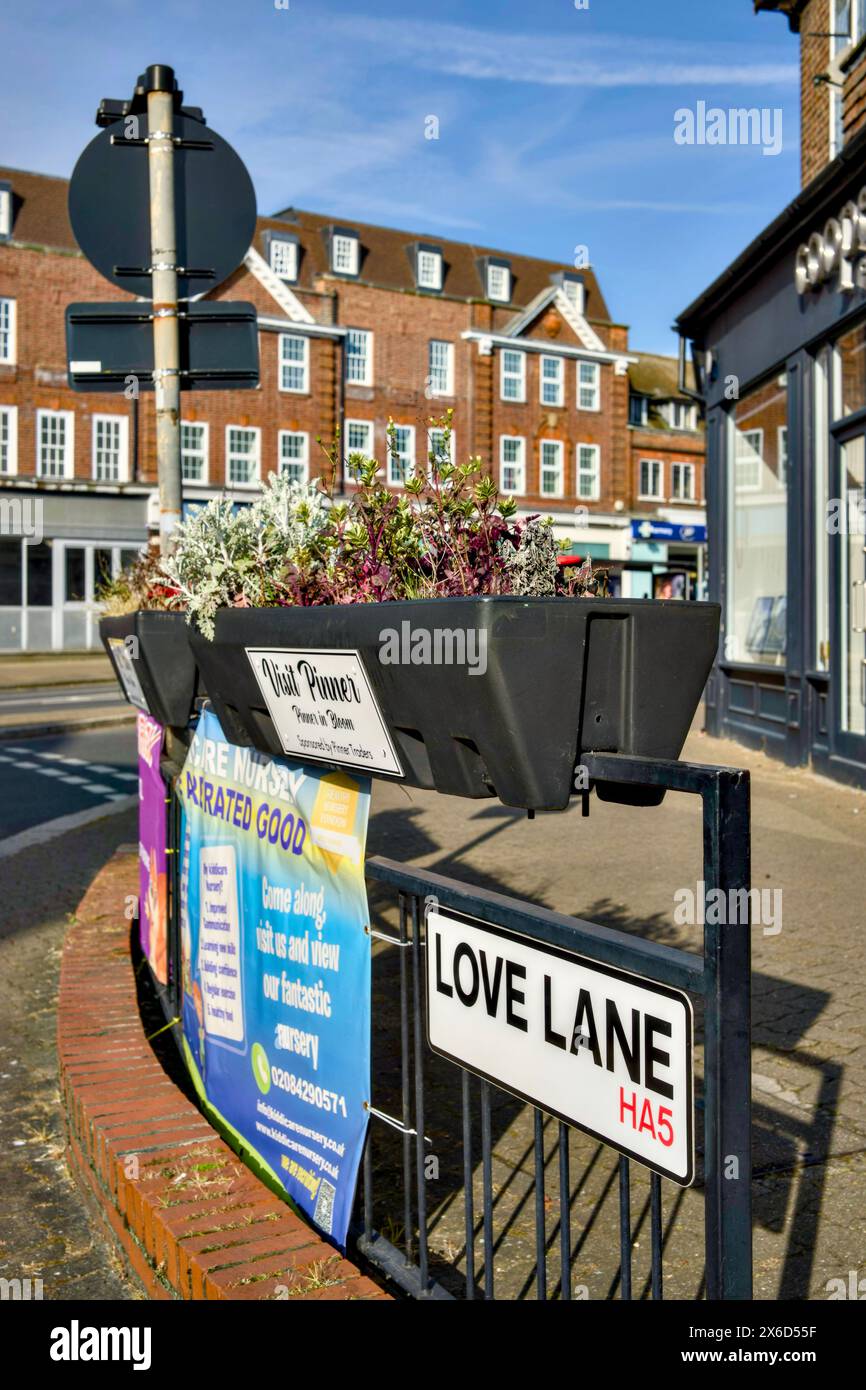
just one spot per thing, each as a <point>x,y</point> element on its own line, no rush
<point>849,387</point>
<point>39,575</point>
<point>757,528</point>
<point>10,574</point>
<point>103,568</point>
<point>75,573</point>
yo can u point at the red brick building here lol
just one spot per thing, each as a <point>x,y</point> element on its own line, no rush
<point>666,481</point>
<point>358,324</point>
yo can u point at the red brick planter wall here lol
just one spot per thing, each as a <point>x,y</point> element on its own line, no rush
<point>190,1219</point>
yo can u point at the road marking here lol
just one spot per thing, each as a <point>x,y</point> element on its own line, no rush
<point>95,787</point>
<point>73,781</point>
<point>49,830</point>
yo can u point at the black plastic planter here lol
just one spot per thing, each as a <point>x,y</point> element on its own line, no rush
<point>159,660</point>
<point>560,677</point>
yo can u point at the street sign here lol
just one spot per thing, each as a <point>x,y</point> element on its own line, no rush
<point>607,1052</point>
<point>109,206</point>
<point>324,707</point>
<point>646,530</point>
<point>124,665</point>
<point>107,344</point>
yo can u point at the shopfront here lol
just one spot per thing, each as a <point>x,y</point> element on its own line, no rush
<point>53,564</point>
<point>780,344</point>
<point>668,559</point>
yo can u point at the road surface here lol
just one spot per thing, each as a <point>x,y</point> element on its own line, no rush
<point>45,778</point>
<point>54,699</point>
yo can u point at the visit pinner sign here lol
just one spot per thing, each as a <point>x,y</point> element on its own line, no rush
<point>603,1050</point>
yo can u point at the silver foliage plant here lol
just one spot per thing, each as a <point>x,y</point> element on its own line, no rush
<point>532,565</point>
<point>226,555</point>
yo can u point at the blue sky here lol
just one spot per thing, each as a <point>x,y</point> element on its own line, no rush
<point>555,123</point>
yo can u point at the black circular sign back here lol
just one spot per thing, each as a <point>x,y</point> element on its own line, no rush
<point>215,207</point>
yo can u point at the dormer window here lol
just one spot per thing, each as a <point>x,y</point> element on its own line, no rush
<point>5,211</point>
<point>498,282</point>
<point>344,253</point>
<point>429,269</point>
<point>680,415</point>
<point>283,257</point>
<point>574,292</point>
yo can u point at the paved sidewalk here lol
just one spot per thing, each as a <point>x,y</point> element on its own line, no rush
<point>621,867</point>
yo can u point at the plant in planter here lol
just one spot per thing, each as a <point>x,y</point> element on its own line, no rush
<point>500,678</point>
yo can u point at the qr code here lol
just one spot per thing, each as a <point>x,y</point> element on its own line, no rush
<point>324,1213</point>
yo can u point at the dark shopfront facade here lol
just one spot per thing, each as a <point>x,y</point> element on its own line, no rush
<point>780,341</point>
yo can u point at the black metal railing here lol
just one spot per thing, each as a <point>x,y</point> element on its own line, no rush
<point>718,979</point>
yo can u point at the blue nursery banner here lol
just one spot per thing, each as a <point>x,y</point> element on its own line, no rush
<point>276,963</point>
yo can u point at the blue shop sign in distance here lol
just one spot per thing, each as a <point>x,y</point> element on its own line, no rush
<point>647,530</point>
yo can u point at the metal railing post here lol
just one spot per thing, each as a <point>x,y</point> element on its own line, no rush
<point>727,1042</point>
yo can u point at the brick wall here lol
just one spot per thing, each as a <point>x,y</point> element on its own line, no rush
<point>814,101</point>
<point>669,446</point>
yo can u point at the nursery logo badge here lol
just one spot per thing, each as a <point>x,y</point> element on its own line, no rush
<point>437,646</point>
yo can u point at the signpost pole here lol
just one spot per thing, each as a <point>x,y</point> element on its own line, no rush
<point>166,347</point>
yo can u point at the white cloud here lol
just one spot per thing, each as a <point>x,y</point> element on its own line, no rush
<point>597,61</point>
